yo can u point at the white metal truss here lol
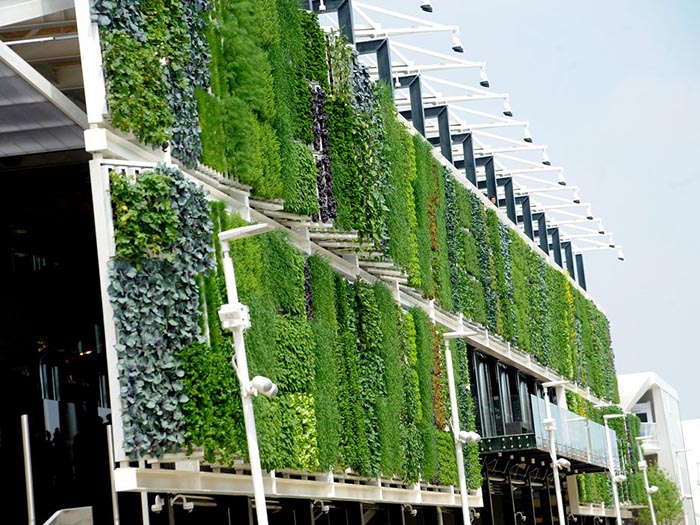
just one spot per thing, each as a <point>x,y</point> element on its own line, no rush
<point>493,135</point>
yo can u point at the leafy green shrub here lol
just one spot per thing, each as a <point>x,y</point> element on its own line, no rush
<point>325,388</point>
<point>156,302</point>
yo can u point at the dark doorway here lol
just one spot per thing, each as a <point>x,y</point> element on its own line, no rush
<point>52,360</point>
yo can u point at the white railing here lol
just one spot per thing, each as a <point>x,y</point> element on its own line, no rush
<point>648,429</point>
<point>576,437</point>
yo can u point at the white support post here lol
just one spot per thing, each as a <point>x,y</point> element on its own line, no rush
<point>104,234</point>
<point>643,467</point>
<point>551,427</point>
<point>235,317</point>
<point>455,431</point>
<point>241,364</point>
<point>27,449</point>
<point>611,466</point>
<point>91,63</point>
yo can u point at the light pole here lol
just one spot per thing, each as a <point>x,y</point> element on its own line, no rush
<point>460,436</point>
<point>643,467</point>
<point>611,466</point>
<point>234,316</point>
<point>550,425</point>
<point>680,479</point>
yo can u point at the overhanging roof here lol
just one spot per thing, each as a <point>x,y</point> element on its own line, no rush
<point>35,116</point>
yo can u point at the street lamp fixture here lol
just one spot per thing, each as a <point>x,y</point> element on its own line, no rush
<point>460,436</point>
<point>550,425</point>
<point>611,466</point>
<point>234,317</point>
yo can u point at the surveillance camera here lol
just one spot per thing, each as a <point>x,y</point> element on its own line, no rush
<point>653,489</point>
<point>157,505</point>
<point>262,385</point>
<point>620,478</point>
<point>563,463</point>
<point>468,437</point>
<point>188,506</point>
<point>414,512</point>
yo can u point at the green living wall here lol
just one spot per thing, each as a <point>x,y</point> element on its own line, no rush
<point>257,90</point>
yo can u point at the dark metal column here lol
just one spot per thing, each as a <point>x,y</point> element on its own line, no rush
<point>510,199</point>
<point>556,246</point>
<point>491,187</point>
<point>381,48</point>
<point>469,164</point>
<point>417,115</point>
<point>441,113</point>
<point>541,221</point>
<point>526,216</point>
<point>344,10</point>
<point>580,274</point>
<point>568,255</point>
<point>487,509</point>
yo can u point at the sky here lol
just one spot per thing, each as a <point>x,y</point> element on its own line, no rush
<point>613,88</point>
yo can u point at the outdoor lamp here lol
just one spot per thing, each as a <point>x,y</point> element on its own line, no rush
<point>507,111</point>
<point>527,136</point>
<point>456,43</point>
<point>545,158</point>
<point>484,80</point>
<point>426,6</point>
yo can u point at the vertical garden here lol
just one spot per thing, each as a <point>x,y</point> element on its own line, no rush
<point>256,90</point>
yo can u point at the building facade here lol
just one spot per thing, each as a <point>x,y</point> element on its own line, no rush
<point>406,297</point>
<point>657,405</point>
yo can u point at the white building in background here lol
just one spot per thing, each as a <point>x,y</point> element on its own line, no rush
<point>691,432</point>
<point>657,404</point>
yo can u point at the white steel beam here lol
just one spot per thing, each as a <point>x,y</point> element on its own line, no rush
<point>91,63</point>
<point>37,81</point>
<point>16,12</point>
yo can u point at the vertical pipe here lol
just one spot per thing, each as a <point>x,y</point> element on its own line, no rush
<point>27,448</point>
<point>115,501</point>
<point>455,431</point>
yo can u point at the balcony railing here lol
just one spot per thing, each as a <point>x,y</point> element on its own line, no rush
<point>648,429</point>
<point>575,437</point>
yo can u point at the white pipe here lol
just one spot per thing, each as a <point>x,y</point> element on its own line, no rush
<point>241,364</point>
<point>455,431</point>
<point>26,446</point>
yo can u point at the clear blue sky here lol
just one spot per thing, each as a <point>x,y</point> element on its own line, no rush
<point>613,88</point>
